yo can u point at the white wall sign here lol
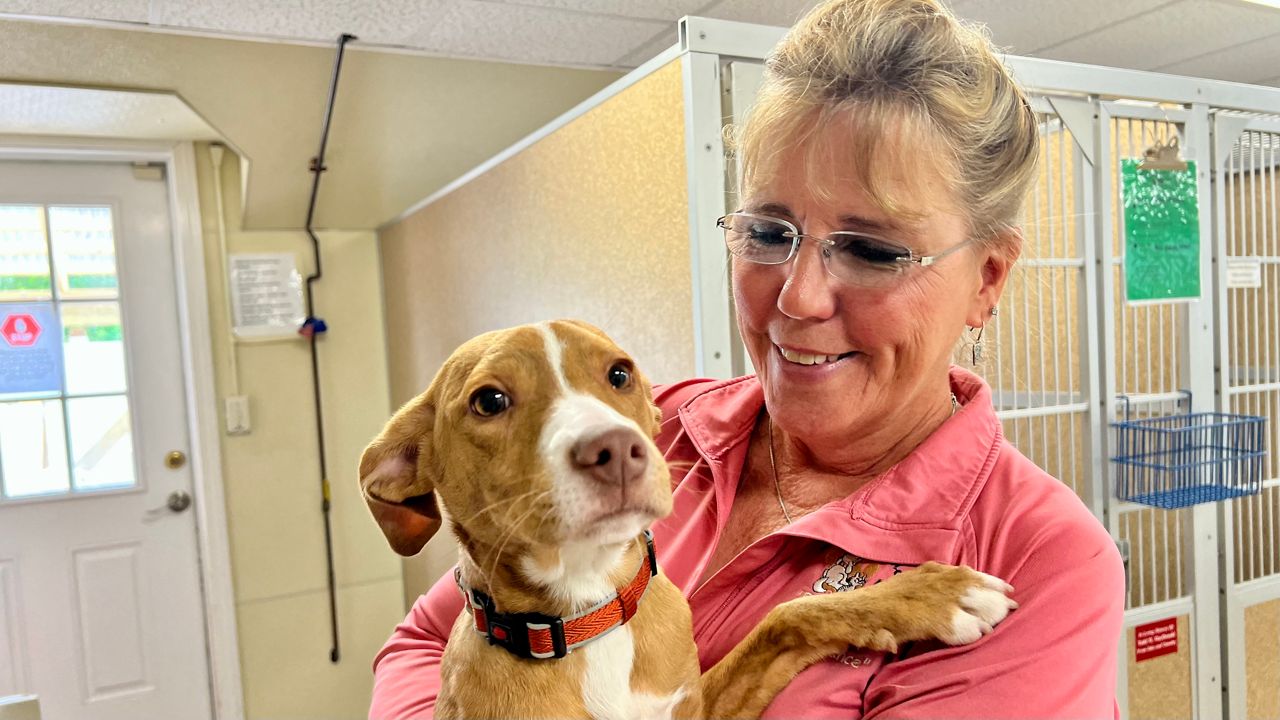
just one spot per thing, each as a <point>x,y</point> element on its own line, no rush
<point>266,295</point>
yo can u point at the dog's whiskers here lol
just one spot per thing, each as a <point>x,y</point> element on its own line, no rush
<point>541,520</point>
<point>495,504</point>
<point>505,538</point>
<point>510,533</point>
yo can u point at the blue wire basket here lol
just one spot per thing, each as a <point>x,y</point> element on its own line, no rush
<point>1174,461</point>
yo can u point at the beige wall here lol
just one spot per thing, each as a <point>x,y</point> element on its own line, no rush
<point>403,125</point>
<point>272,479</point>
<point>590,222</point>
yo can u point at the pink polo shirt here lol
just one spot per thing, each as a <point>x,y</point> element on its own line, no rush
<point>964,496</point>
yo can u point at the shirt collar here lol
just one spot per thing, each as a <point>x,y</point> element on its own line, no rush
<point>911,513</point>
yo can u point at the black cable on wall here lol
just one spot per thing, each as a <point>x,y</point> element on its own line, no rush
<point>314,326</point>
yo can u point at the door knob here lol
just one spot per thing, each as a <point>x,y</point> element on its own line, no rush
<point>177,501</point>
<point>175,459</point>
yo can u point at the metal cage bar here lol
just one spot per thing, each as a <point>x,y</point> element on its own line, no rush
<point>1037,389</point>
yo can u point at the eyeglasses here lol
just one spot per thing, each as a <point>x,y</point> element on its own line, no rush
<point>856,258</point>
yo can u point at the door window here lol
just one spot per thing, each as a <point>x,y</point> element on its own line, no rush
<point>65,422</point>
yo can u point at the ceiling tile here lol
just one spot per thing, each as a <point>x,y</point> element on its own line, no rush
<point>1189,28</point>
<point>781,13</point>
<point>649,50</point>
<point>670,10</point>
<point>51,110</point>
<point>1022,30</point>
<point>497,31</point>
<point>1221,39</point>
<point>1251,62</point>
<point>388,22</point>
<point>123,10</point>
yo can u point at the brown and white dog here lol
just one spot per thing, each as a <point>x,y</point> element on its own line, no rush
<point>538,441</point>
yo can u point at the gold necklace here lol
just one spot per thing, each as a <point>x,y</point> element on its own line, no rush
<point>773,465</point>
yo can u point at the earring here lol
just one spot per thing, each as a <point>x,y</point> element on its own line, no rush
<point>977,346</point>
<point>994,311</point>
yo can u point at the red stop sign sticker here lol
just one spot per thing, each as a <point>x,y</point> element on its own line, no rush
<point>20,330</point>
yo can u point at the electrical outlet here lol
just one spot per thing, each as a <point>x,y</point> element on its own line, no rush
<point>237,408</point>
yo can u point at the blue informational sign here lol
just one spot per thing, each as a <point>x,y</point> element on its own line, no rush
<point>30,348</point>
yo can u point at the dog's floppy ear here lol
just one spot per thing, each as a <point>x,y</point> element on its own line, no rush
<point>396,477</point>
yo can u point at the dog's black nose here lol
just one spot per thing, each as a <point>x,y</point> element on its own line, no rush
<point>616,456</point>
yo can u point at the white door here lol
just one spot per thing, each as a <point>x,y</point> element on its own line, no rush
<point>100,606</point>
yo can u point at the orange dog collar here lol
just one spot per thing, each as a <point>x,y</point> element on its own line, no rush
<point>544,637</point>
<point>541,637</point>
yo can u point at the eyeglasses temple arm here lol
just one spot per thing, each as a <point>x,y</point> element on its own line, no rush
<point>927,260</point>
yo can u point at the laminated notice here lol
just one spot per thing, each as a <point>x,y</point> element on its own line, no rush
<point>1161,233</point>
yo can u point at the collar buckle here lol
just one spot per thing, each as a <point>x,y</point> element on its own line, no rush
<point>511,631</point>
<point>653,557</point>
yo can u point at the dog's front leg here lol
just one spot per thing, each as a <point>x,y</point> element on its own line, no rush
<point>956,605</point>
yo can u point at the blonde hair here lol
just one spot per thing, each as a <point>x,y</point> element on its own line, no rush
<point>915,91</point>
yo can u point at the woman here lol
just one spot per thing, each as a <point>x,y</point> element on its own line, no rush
<point>882,169</point>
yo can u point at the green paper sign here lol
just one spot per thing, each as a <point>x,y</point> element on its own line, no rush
<point>1161,233</point>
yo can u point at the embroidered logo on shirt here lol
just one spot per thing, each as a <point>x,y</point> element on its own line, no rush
<point>856,658</point>
<point>848,572</point>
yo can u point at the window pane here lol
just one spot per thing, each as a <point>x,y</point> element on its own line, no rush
<point>33,448</point>
<point>101,442</point>
<point>84,252</point>
<point>24,255</point>
<point>93,348</point>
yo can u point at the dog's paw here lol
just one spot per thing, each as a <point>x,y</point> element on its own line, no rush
<point>956,605</point>
<point>983,605</point>
<point>963,604</point>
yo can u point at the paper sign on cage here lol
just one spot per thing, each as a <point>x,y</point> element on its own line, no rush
<point>1161,233</point>
<point>1244,273</point>
<point>266,295</point>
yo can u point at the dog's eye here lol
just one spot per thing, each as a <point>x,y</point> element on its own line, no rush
<point>487,402</point>
<point>619,376</point>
